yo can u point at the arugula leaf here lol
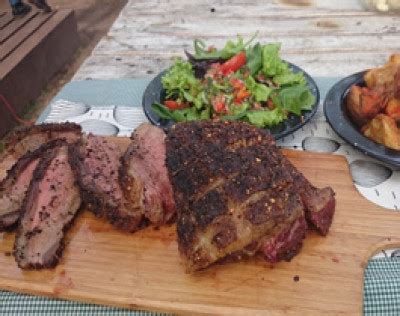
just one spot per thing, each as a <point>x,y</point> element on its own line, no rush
<point>294,99</point>
<point>272,64</point>
<point>263,118</point>
<point>230,49</point>
<point>200,48</point>
<point>260,91</point>
<point>254,58</point>
<point>161,110</point>
<point>290,78</point>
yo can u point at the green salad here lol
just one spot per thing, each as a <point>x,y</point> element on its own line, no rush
<point>242,81</point>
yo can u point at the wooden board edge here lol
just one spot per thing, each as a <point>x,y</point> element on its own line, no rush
<point>385,243</point>
<point>138,304</point>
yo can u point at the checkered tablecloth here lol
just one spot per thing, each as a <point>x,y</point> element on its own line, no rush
<point>382,287</point>
<point>19,304</point>
<point>382,275</point>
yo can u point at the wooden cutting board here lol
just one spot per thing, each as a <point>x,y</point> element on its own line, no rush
<point>144,270</point>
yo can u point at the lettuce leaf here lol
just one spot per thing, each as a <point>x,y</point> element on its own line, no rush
<point>290,78</point>
<point>294,99</point>
<point>180,82</point>
<point>260,91</point>
<point>238,109</point>
<point>272,64</point>
<point>263,118</point>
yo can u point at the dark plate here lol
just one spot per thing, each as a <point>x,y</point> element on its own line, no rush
<point>155,93</point>
<point>337,116</point>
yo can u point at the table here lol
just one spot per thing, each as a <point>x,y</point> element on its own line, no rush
<point>326,38</point>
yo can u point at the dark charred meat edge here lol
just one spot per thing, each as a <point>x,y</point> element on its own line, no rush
<point>12,176</point>
<point>93,202</point>
<point>31,138</point>
<point>38,176</point>
<point>48,128</point>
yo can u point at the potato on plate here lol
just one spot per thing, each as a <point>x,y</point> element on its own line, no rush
<point>383,76</point>
<point>393,109</point>
<point>363,104</point>
<point>383,129</point>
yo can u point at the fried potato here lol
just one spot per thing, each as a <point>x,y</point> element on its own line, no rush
<point>383,129</point>
<point>393,109</point>
<point>383,76</point>
<point>394,59</point>
<point>363,104</point>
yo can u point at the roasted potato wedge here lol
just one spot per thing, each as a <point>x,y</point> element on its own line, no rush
<point>394,59</point>
<point>363,104</point>
<point>393,109</point>
<point>383,76</point>
<point>383,129</point>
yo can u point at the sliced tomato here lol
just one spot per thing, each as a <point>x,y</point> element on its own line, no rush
<point>218,104</point>
<point>174,105</point>
<point>240,95</point>
<point>243,94</point>
<point>233,64</point>
<point>219,107</point>
<point>236,83</point>
<point>237,101</point>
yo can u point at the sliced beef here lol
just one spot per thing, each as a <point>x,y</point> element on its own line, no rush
<point>319,203</point>
<point>285,244</point>
<point>236,194</point>
<point>16,183</point>
<point>51,203</point>
<point>96,162</point>
<point>29,139</point>
<point>144,177</point>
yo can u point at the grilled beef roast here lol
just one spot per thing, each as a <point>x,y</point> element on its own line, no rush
<point>50,205</point>
<point>236,194</point>
<point>96,162</point>
<point>15,185</point>
<point>144,177</point>
<point>28,139</point>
